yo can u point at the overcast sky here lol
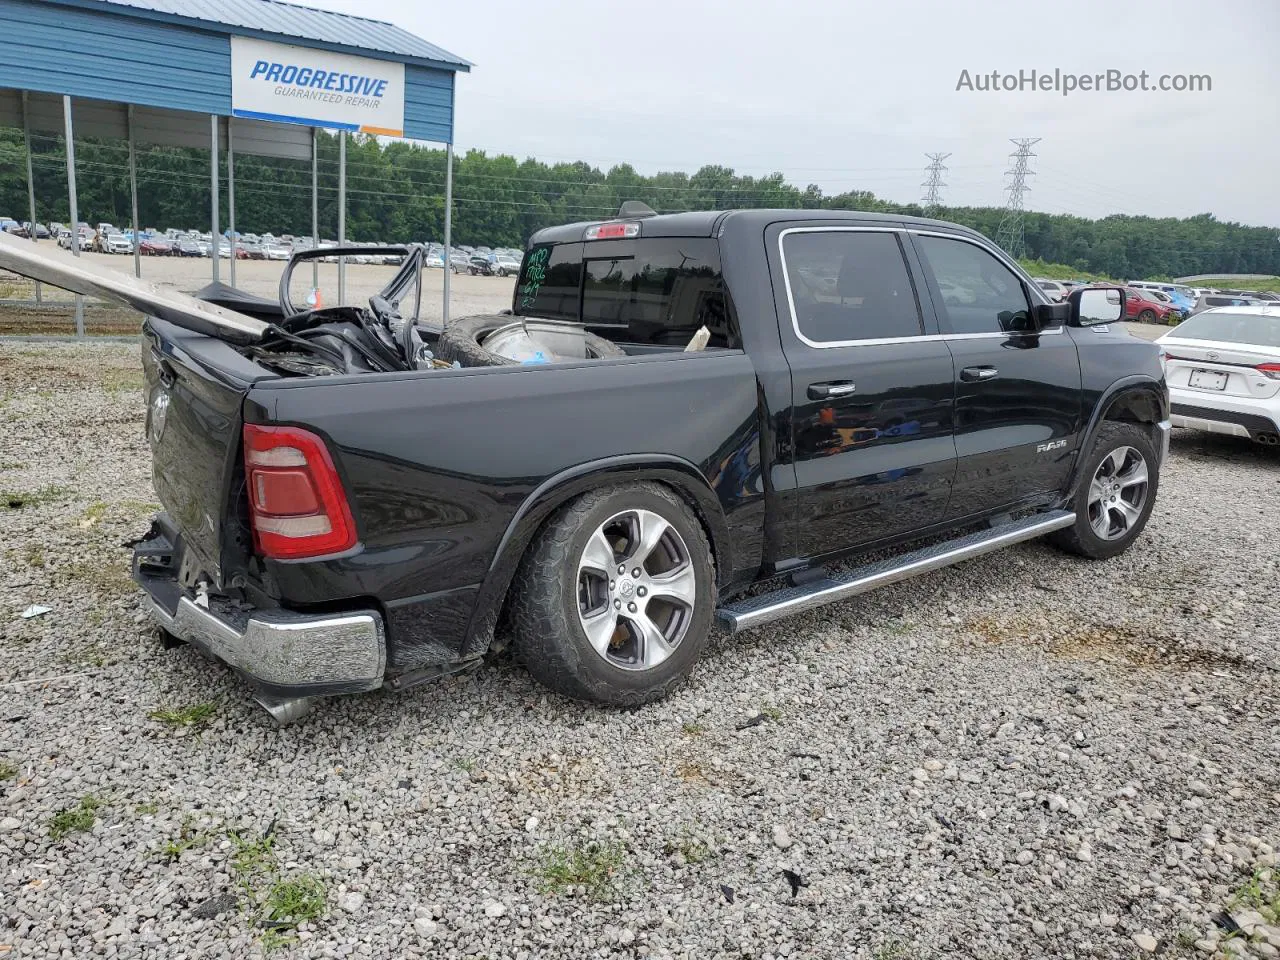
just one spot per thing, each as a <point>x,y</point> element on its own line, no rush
<point>851,94</point>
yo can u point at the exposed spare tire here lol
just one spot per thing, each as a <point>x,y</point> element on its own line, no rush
<point>463,340</point>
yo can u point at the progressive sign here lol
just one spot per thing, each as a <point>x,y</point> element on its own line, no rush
<point>288,84</point>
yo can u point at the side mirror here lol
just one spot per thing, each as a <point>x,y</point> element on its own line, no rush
<point>1094,305</point>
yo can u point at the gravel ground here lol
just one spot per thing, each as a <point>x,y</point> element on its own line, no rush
<point>1028,755</point>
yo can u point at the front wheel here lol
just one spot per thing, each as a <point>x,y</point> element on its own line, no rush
<point>1147,316</point>
<point>1116,494</point>
<point>614,600</point>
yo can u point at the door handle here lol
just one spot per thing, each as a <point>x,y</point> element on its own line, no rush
<point>972,374</point>
<point>835,388</point>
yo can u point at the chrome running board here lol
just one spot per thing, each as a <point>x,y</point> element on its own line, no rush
<point>754,611</point>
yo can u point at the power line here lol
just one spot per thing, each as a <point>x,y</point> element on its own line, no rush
<point>1009,235</point>
<point>933,196</point>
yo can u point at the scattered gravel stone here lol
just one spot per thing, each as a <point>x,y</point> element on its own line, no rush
<point>448,806</point>
<point>781,838</point>
<point>1146,942</point>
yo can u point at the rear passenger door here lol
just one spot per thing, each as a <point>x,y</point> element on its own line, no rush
<point>1018,393</point>
<point>872,386</point>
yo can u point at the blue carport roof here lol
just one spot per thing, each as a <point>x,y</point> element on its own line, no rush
<point>285,23</point>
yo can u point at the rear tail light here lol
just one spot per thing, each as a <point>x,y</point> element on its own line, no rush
<point>1272,370</point>
<point>297,504</point>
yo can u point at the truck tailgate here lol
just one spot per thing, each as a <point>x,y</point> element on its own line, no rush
<point>195,388</point>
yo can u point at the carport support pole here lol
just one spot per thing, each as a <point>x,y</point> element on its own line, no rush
<point>231,198</point>
<point>342,214</point>
<point>31,181</point>
<point>315,205</point>
<point>448,226</point>
<point>133,197</point>
<point>214,233</point>
<point>75,209</point>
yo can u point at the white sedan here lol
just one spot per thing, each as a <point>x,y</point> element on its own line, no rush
<point>1223,370</point>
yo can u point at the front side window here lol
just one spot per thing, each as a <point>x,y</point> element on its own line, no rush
<point>979,293</point>
<point>850,285</point>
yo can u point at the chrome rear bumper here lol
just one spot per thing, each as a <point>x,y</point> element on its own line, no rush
<point>285,653</point>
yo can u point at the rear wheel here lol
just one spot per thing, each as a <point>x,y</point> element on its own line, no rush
<point>615,597</point>
<point>1116,493</point>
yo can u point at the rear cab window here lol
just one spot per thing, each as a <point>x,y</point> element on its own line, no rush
<point>651,290</point>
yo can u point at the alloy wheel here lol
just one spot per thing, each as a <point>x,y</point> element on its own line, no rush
<point>1117,493</point>
<point>636,587</point>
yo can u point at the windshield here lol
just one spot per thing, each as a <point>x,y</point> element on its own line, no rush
<point>1255,329</point>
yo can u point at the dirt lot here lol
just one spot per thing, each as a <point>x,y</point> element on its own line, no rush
<point>1027,756</point>
<point>468,294</point>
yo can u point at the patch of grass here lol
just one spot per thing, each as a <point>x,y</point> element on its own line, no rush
<point>34,555</point>
<point>139,507</point>
<point>109,577</point>
<point>188,837</point>
<point>145,809</point>
<point>12,465</point>
<point>92,655</point>
<point>593,866</point>
<point>77,819</point>
<point>693,849</point>
<point>273,940</point>
<point>690,772</point>
<point>18,499</point>
<point>196,715</point>
<point>93,514</point>
<point>1260,892</point>
<point>295,900</point>
<point>773,713</point>
<point>465,764</point>
<point>892,950</point>
<point>116,380</point>
<point>693,729</point>
<point>252,856</point>
<point>8,771</point>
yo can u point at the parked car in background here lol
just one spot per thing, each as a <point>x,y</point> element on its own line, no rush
<point>480,266</point>
<point>156,247</point>
<point>434,260</point>
<point>505,265</point>
<point>1056,291</point>
<point>9,225</point>
<point>116,243</point>
<point>459,261</point>
<point>1223,370</point>
<point>190,248</point>
<point>276,251</point>
<point>1142,306</point>
<point>1210,300</point>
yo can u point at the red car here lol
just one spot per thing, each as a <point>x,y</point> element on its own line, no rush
<point>1140,305</point>
<point>156,247</point>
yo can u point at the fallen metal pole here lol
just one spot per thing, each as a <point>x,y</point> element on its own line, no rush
<point>75,208</point>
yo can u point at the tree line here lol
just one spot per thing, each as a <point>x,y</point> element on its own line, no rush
<point>395,194</point>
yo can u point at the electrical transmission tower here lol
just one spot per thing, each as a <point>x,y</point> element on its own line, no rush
<point>1009,234</point>
<point>934,185</point>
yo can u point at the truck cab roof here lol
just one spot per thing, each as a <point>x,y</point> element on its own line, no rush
<point>710,223</point>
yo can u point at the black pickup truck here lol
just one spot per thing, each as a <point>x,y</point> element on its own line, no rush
<point>569,477</point>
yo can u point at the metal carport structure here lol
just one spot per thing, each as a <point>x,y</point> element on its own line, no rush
<point>258,76</point>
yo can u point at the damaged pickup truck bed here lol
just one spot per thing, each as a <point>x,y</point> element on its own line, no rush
<point>354,500</point>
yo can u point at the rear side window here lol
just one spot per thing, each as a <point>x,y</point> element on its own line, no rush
<point>550,281</point>
<point>849,285</point>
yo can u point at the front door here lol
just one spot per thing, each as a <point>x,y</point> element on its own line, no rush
<point>1018,393</point>
<point>872,387</point>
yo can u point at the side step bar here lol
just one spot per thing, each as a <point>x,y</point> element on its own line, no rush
<point>767,607</point>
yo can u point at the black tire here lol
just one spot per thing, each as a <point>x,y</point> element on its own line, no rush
<point>1081,538</point>
<point>549,636</point>
<point>461,341</point>
<point>1147,316</point>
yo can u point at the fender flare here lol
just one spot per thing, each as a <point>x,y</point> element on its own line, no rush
<point>677,473</point>
<point>1136,383</point>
